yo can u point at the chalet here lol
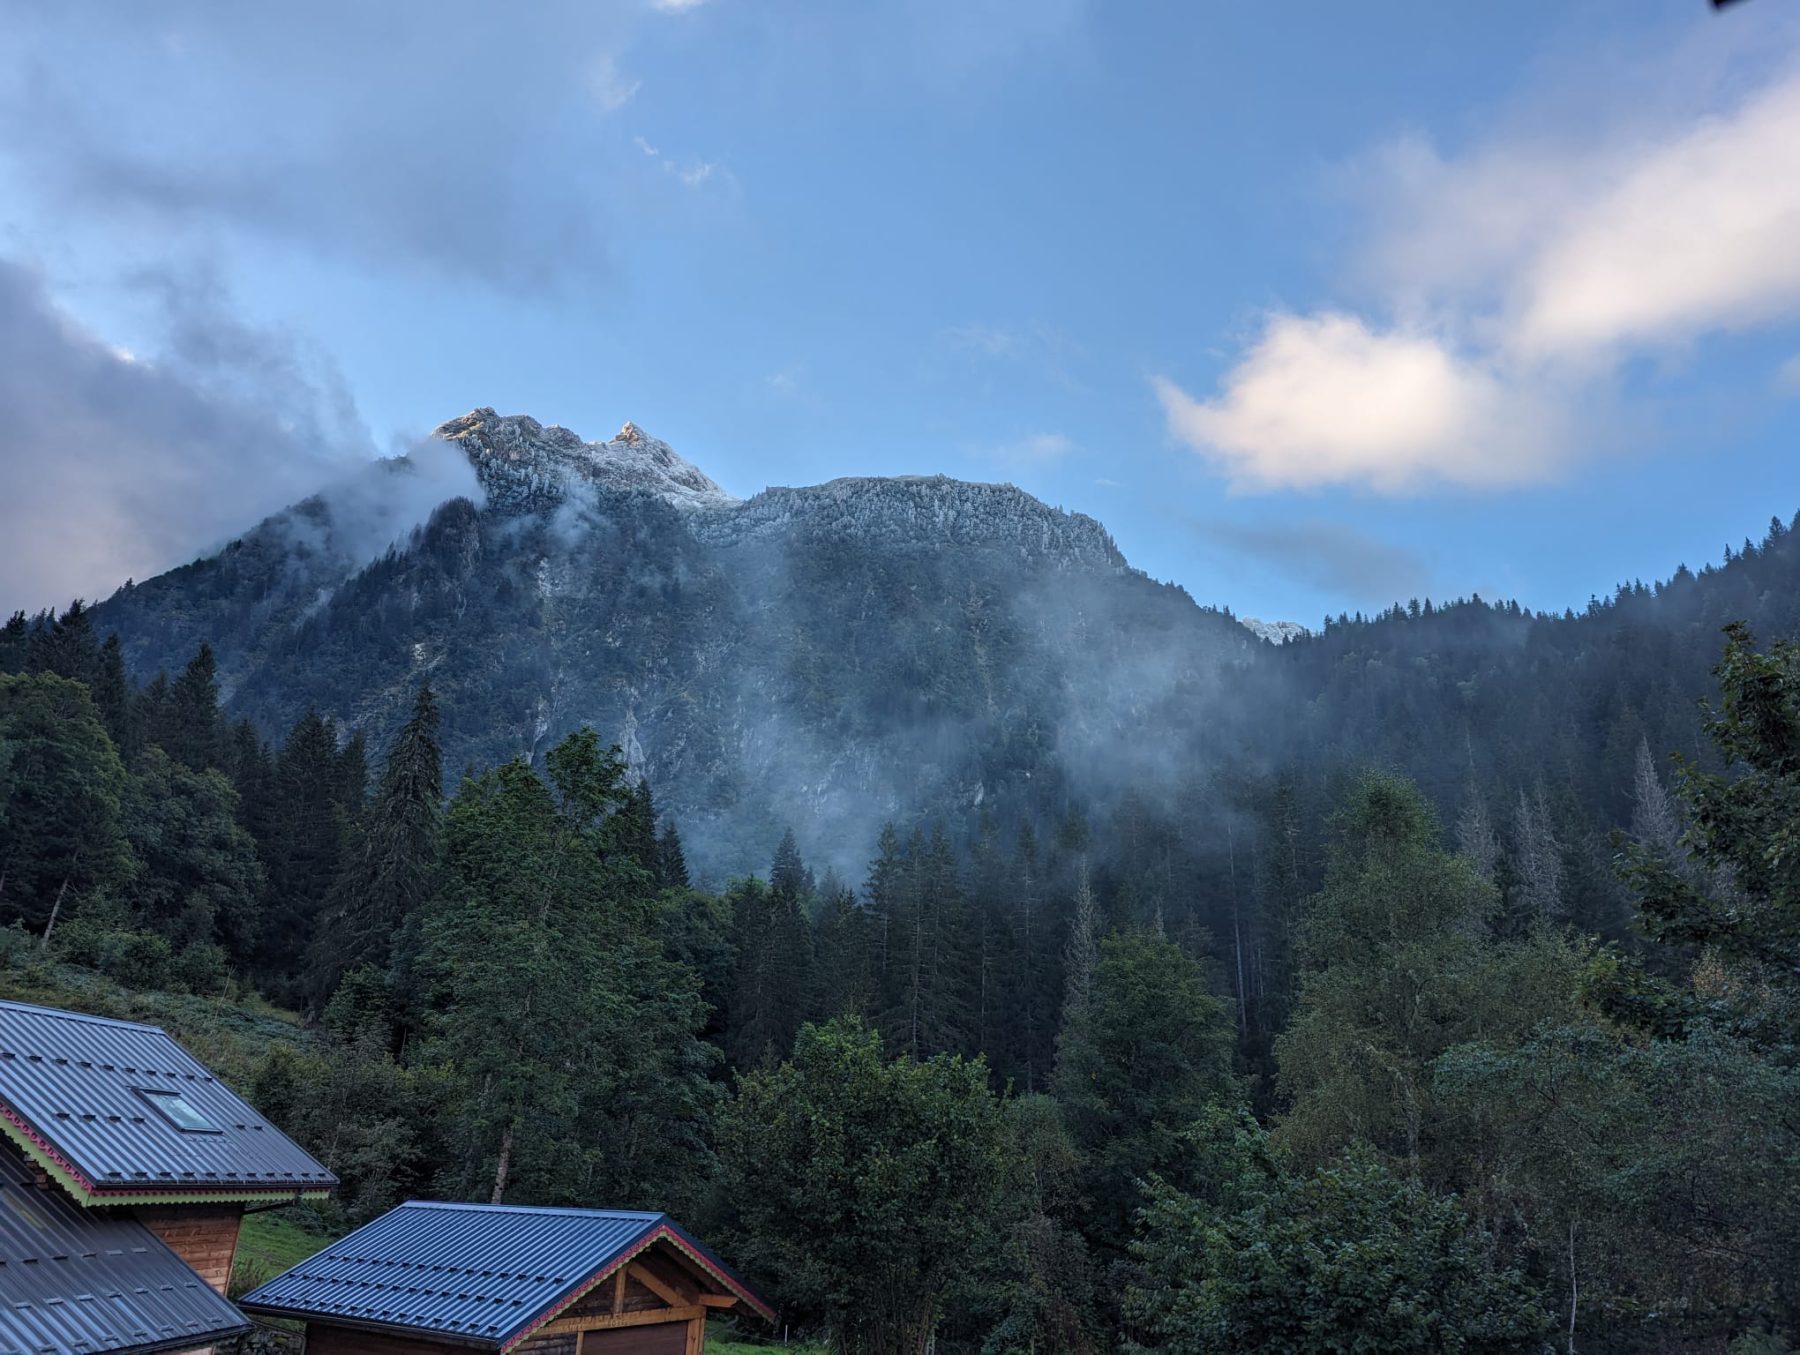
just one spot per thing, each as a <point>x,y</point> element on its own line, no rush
<point>445,1279</point>
<point>126,1168</point>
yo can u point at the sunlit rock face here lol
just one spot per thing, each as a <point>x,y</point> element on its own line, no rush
<point>524,465</point>
<point>826,657</point>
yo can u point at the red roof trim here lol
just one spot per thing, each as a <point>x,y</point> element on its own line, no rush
<point>223,1188</point>
<point>661,1232</point>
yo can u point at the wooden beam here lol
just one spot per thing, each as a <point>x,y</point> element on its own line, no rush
<point>717,1300</point>
<point>662,1291</point>
<point>696,1335</point>
<point>619,1291</point>
<point>602,1322</point>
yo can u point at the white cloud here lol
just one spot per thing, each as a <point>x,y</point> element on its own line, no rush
<point>692,173</point>
<point>1510,283</point>
<point>1698,234</point>
<point>611,87</point>
<point>1327,400</point>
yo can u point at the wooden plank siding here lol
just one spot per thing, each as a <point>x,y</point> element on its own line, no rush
<point>205,1236</point>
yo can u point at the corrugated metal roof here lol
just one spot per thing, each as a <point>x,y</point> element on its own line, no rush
<point>76,1086</point>
<point>481,1274</point>
<point>77,1281</point>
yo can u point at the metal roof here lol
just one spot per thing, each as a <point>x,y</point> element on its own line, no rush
<point>77,1281</point>
<point>482,1275</point>
<point>78,1094</point>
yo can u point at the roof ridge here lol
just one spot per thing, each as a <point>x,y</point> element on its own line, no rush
<point>534,1209</point>
<point>7,1004</point>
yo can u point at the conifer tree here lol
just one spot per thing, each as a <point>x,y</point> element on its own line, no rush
<point>578,1067</point>
<point>637,827</point>
<point>15,644</point>
<point>389,869</point>
<point>112,698</point>
<point>843,973</point>
<point>671,861</point>
<point>303,850</point>
<point>188,727</point>
<point>61,836</point>
<point>1138,1062</point>
<point>66,646</point>
<point>774,960</point>
<point>924,1011</point>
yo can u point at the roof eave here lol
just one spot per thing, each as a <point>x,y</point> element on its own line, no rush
<point>370,1324</point>
<point>66,1174</point>
<point>193,1340</point>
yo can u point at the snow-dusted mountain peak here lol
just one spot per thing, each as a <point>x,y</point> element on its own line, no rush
<point>524,465</point>
<point>1275,632</point>
<point>919,513</point>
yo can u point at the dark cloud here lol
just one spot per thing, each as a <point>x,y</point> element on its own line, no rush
<point>116,467</point>
<point>458,139</point>
<point>1330,556</point>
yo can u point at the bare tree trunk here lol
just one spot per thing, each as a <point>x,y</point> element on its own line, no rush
<point>1574,1288</point>
<point>55,908</point>
<point>504,1165</point>
<point>1237,933</point>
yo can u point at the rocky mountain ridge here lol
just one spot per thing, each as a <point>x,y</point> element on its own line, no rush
<point>825,657</point>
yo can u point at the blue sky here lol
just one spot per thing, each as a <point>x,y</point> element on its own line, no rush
<point>1315,305</point>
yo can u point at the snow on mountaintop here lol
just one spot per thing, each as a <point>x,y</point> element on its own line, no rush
<point>524,465</point>
<point>1275,632</point>
<point>920,512</point>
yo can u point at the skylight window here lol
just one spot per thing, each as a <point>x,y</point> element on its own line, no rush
<point>178,1111</point>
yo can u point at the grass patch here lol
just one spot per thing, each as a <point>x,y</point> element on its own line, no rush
<point>230,1033</point>
<point>268,1244</point>
<point>726,1338</point>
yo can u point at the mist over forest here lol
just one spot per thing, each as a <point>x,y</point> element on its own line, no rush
<point>1172,729</point>
<point>589,811</point>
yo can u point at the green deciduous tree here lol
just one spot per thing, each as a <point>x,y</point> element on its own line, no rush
<point>1139,1061</point>
<point>1346,1258</point>
<point>573,1042</point>
<point>199,880</point>
<point>61,836</point>
<point>1397,966</point>
<point>860,1185</point>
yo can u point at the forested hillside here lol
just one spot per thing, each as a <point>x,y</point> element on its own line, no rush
<point>1392,985</point>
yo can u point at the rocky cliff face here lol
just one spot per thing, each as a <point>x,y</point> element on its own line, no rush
<point>825,657</point>
<point>524,466</point>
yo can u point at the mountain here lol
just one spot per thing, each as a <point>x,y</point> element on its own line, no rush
<point>914,649</point>
<point>1275,632</point>
<point>828,657</point>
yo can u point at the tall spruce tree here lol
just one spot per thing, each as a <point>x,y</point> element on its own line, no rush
<point>773,944</point>
<point>392,857</point>
<point>303,851</point>
<point>188,726</point>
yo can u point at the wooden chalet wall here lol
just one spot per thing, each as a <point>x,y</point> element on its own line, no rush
<point>652,1306</point>
<point>203,1235</point>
